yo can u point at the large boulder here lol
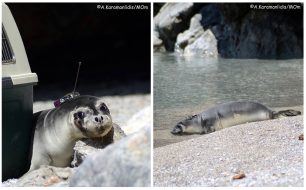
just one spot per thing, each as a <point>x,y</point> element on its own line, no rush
<point>125,163</point>
<point>204,46</point>
<point>172,19</point>
<point>189,36</point>
<point>139,121</point>
<point>158,45</point>
<point>196,41</point>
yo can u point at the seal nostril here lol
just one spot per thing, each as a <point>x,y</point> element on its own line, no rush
<point>102,118</point>
<point>96,119</point>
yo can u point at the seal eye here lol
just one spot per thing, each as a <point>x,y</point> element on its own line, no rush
<point>104,108</point>
<point>81,114</point>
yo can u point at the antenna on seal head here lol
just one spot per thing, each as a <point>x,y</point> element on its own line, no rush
<point>77,77</point>
<point>71,95</point>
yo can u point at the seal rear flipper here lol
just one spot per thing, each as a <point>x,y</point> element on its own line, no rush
<point>286,113</point>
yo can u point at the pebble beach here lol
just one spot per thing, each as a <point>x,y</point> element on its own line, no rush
<point>266,153</point>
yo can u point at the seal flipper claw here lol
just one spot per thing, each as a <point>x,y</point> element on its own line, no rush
<point>286,113</point>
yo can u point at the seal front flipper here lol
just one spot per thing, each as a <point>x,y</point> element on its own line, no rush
<point>37,121</point>
<point>207,126</point>
<point>38,160</point>
<point>108,138</point>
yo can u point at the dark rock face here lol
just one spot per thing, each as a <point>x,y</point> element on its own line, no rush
<point>211,16</point>
<point>243,32</point>
<point>157,7</point>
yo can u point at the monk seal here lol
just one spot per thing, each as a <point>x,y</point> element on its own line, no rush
<point>58,129</point>
<point>226,115</point>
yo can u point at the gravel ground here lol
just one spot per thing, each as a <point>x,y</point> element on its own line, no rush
<point>122,107</point>
<point>269,153</point>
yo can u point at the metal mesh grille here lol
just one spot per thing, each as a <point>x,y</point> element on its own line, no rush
<point>7,52</point>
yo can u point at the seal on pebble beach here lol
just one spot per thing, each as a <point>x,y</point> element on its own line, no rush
<point>58,129</point>
<point>226,115</point>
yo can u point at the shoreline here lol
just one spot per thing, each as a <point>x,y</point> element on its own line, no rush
<point>162,137</point>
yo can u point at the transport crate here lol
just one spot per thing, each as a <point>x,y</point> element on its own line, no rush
<point>17,101</point>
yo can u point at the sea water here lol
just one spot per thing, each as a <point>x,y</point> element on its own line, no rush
<point>188,85</point>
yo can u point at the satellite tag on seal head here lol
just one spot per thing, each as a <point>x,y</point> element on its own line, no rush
<point>71,95</point>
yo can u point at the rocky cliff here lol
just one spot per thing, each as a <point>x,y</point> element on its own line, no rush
<point>244,30</point>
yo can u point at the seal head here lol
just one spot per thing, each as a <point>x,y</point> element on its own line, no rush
<point>177,130</point>
<point>189,125</point>
<point>92,122</point>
